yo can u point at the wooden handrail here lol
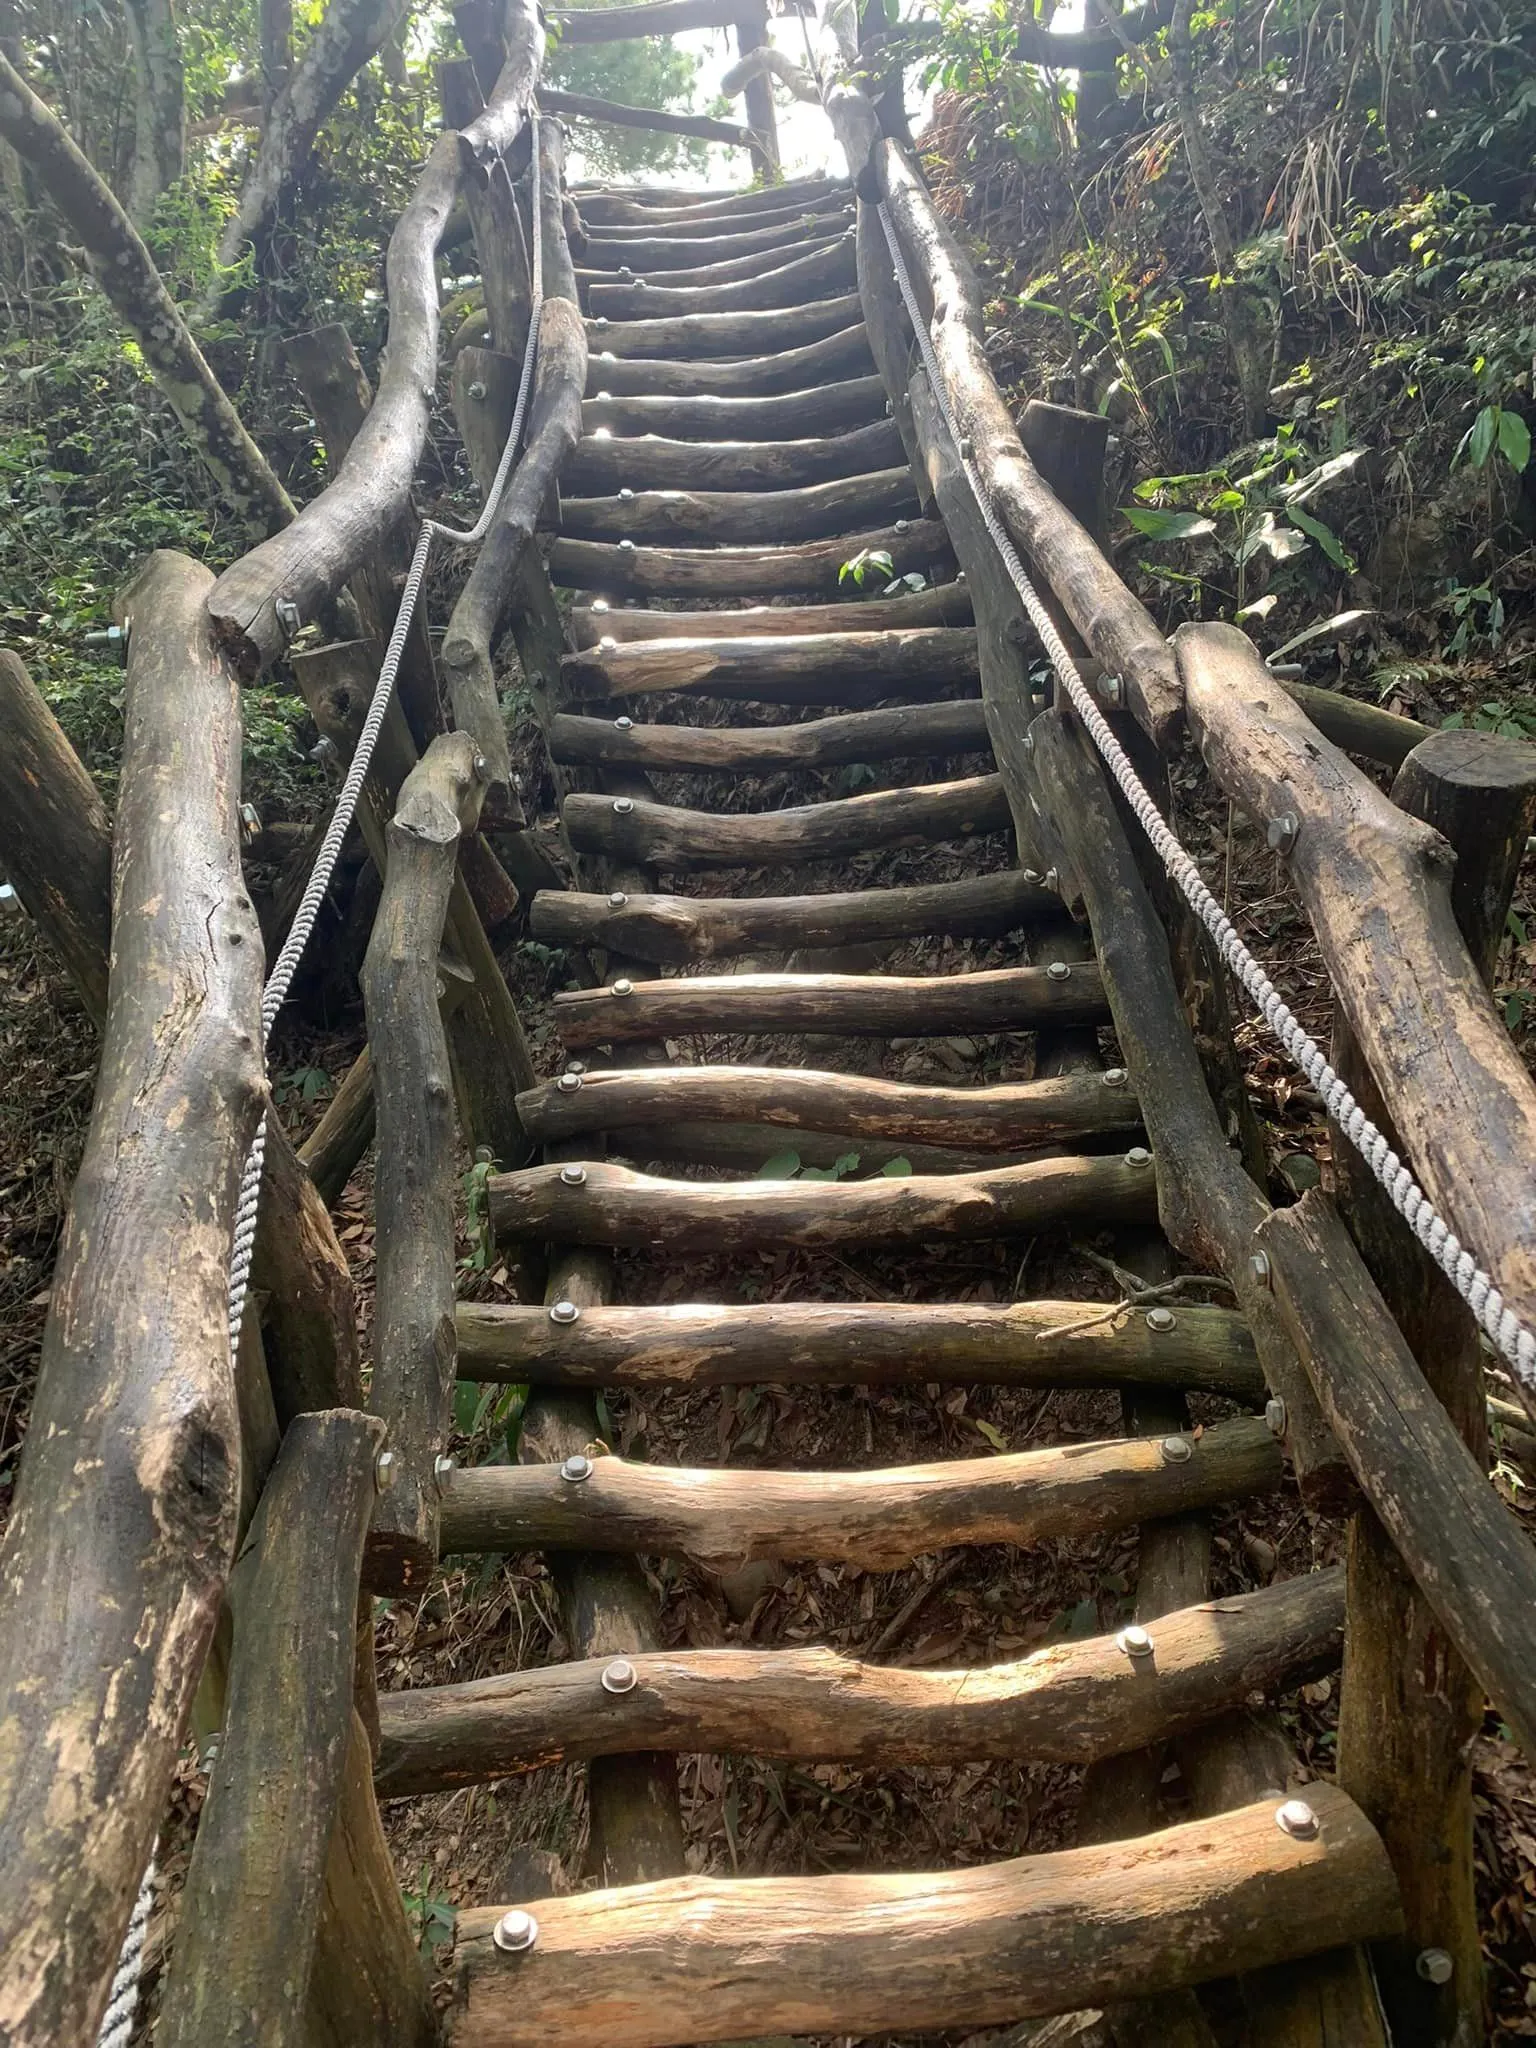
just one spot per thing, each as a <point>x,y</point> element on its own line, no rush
<point>582,106</point>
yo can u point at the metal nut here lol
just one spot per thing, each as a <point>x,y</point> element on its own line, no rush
<point>1435,1966</point>
<point>617,899</point>
<point>605,398</point>
<point>1134,1641</point>
<point>1295,1817</point>
<point>966,448</point>
<point>601,320</point>
<point>1032,875</point>
<point>477,389</point>
<point>573,1176</point>
<point>563,1312</point>
<point>903,526</point>
<point>623,987</point>
<point>623,805</point>
<point>620,1676</point>
<point>625,491</point>
<point>624,722</point>
<point>599,604</point>
<point>1138,1156</point>
<point>578,1466</point>
<point>1259,1266</point>
<point>443,1470</point>
<point>386,1470</point>
<point>287,615</point>
<point>627,546</point>
<point>1280,836</point>
<point>1059,971</point>
<point>1111,691</point>
<point>625,271</point>
<point>515,1932</point>
<point>1177,1450</point>
<point>1162,1320</point>
<point>607,644</point>
<point>1114,1077</point>
<point>1275,1416</point>
<point>568,1083</point>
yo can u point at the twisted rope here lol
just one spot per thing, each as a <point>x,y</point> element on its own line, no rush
<point>1514,1339</point>
<point>117,2025</point>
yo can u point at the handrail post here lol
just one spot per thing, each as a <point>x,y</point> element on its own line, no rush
<point>752,34</point>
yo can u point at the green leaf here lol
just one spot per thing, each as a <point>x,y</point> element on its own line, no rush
<point>1325,536</point>
<point>1514,440</point>
<point>1159,525</point>
<point>1477,442</point>
<point>1259,609</point>
<point>844,1164</point>
<point>993,1435</point>
<point>896,1169</point>
<point>782,1166</point>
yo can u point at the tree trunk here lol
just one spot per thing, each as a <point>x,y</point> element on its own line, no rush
<point>159,104</point>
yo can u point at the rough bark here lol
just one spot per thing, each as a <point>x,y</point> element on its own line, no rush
<point>701,1959</point>
<point>688,335</point>
<point>947,604</point>
<point>705,264</point>
<point>912,731</point>
<point>333,1148</point>
<point>123,1527</point>
<point>745,572</point>
<point>817,274</point>
<point>752,34</point>
<point>816,668</point>
<point>496,222</point>
<point>159,104</point>
<point>819,389</point>
<point>602,467</point>
<point>126,273</point>
<point>580,106</point>
<point>743,517</point>
<point>583,25</point>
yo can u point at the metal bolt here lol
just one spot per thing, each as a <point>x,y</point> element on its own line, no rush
<point>563,1312</point>
<point>287,615</point>
<point>607,644</point>
<point>1051,878</point>
<point>1111,691</point>
<point>1138,1156</point>
<point>568,1083</point>
<point>443,1470</point>
<point>1028,743</point>
<point>965,448</point>
<point>625,491</point>
<point>1274,1415</point>
<point>1177,1450</point>
<point>109,636</point>
<point>1435,1966</point>
<point>578,1466</point>
<point>1162,1320</point>
<point>959,575</point>
<point>1134,1642</point>
<point>1295,1817</point>
<point>625,271</point>
<point>607,355</point>
<point>888,408</point>
<point>617,900</point>
<point>1259,1267</point>
<point>623,805</point>
<point>1281,835</point>
<point>639,284</point>
<point>620,1676</point>
<point>575,1066</point>
<point>1114,1077</point>
<point>1059,971</point>
<point>573,1176</point>
<point>605,398</point>
<point>627,545</point>
<point>477,389</point>
<point>601,320</point>
<point>623,987</point>
<point>386,1470</point>
<point>624,723</point>
<point>515,1932</point>
<point>599,604</point>
<point>1032,874</point>
<point>903,526</point>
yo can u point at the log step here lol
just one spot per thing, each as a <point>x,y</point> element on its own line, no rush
<point>617,213</point>
<point>703,262</point>
<point>641,463</point>
<point>1008,1117</point>
<point>742,1148</point>
<point>1072,1703</point>
<point>707,518</point>
<point>921,731</point>
<point>668,837</point>
<point>686,336</point>
<point>812,668</point>
<point>779,400</point>
<point>740,285</point>
<point>676,930</point>
<point>646,253</point>
<point>842,1005</point>
<point>814,565</point>
<point>878,1520</point>
<point>870,1344</point>
<point>707,1959</point>
<point>947,604</point>
<point>599,1204</point>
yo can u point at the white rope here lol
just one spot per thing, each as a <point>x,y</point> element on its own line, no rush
<point>1513,1338</point>
<point>117,2026</point>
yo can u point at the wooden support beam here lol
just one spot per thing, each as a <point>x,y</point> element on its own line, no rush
<point>665,837</point>
<point>580,26</point>
<point>239,1970</point>
<point>674,930</point>
<point>814,565</point>
<point>758,400</point>
<point>1070,1703</point>
<point>1377,889</point>
<point>879,1520</point>
<point>684,336</point>
<point>1025,1344</point>
<point>1005,1116</point>
<point>332,1150</point>
<point>599,468</point>
<point>751,26</point>
<point>705,264</point>
<point>581,106</point>
<point>705,1959</point>
<point>413,1371</point>
<point>742,518</point>
<point>614,1206</point>
<point>852,1005</point>
<point>820,273</point>
<point>911,731</point>
<point>121,1535</point>
<point>1358,728</point>
<point>946,604</point>
<point>650,208</point>
<point>1209,1207</point>
<point>496,221</point>
<point>819,668</point>
<point>650,255</point>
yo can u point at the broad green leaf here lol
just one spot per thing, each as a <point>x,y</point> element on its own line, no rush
<point>993,1435</point>
<point>1160,525</point>
<point>1325,536</point>
<point>782,1166</point>
<point>1514,440</point>
<point>896,1169</point>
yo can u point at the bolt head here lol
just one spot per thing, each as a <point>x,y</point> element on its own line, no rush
<point>599,604</point>
<point>607,644</point>
<point>1275,1415</point>
<point>966,448</point>
<point>903,526</point>
<point>623,805</point>
<point>639,284</point>
<point>1435,1966</point>
<point>627,546</point>
<point>607,355</point>
<point>563,1312</point>
<point>617,900</point>
<point>601,320</point>
<point>620,1676</point>
<point>577,1466</point>
<point>287,615</point>
<point>1059,971</point>
<point>515,1932</point>
<point>623,986</point>
<point>386,1471</point>
<point>1032,875</point>
<point>573,1176</point>
<point>1134,1641</point>
<point>575,1066</point>
<point>1177,1450</point>
<point>568,1083</point>
<point>1111,691</point>
<point>1162,1320</point>
<point>1259,1266</point>
<point>625,492</point>
<point>624,722</point>
<point>443,1470</point>
<point>1280,835</point>
<point>1114,1077</point>
<point>625,271</point>
<point>477,389</point>
<point>1294,1817</point>
<point>1138,1156</point>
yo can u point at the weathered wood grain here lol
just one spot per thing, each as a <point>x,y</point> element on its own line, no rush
<point>743,518</point>
<point>744,571</point>
<point>856,666</point>
<point>684,336</point>
<point>946,604</point>
<point>799,281</point>
<point>909,731</point>
<point>822,389</point>
<point>650,463</point>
